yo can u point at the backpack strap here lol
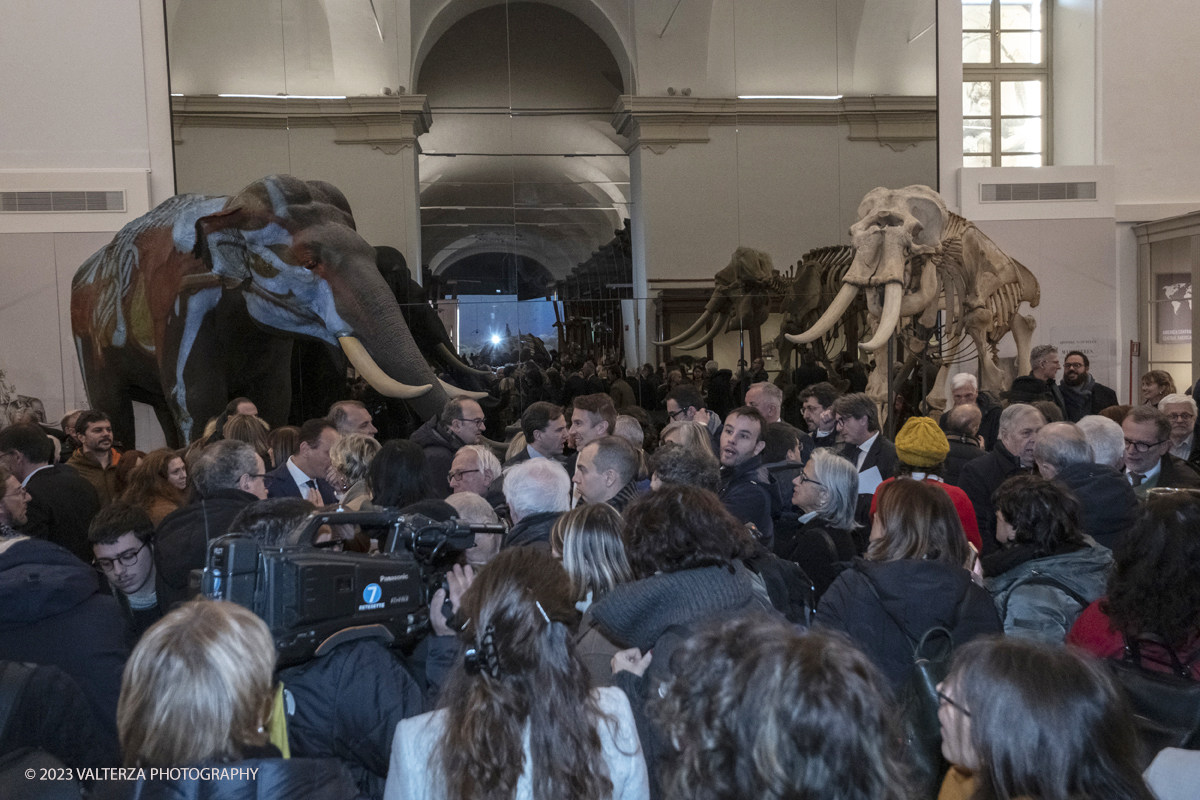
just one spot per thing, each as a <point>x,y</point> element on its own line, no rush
<point>1133,653</point>
<point>918,644</point>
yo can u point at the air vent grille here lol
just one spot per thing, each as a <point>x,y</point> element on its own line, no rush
<point>1029,192</point>
<point>60,201</point>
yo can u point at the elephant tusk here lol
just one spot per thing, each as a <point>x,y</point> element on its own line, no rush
<point>917,302</point>
<point>718,327</point>
<point>454,391</point>
<point>453,360</point>
<point>845,297</point>
<point>379,380</point>
<point>683,337</point>
<point>893,294</point>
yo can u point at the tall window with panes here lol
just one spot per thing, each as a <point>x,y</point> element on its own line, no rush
<point>1006,83</point>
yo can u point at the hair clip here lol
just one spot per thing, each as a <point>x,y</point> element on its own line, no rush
<point>483,658</point>
<point>545,616</point>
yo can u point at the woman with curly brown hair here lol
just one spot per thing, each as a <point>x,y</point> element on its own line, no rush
<point>520,718</point>
<point>1153,591</point>
<point>157,485</point>
<point>754,708</point>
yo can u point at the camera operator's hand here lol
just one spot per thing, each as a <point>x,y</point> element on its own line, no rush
<point>631,660</point>
<point>437,619</point>
<point>458,579</point>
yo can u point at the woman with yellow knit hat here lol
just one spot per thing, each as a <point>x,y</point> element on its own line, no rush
<point>922,447</point>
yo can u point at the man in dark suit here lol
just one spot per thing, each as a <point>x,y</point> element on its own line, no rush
<point>303,475</point>
<point>1012,455</point>
<point>62,503</point>
<point>1148,465</point>
<point>863,444</point>
<point>1081,395</point>
<point>545,430</point>
<point>817,408</point>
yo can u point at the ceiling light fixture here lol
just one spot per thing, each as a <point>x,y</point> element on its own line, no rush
<point>789,97</point>
<point>289,96</point>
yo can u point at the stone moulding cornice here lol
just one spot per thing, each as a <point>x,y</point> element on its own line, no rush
<point>660,123</point>
<point>390,124</point>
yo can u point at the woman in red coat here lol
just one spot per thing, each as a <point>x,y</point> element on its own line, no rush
<point>1153,591</point>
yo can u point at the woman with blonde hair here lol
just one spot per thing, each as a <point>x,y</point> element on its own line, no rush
<point>351,457</point>
<point>691,435</point>
<point>593,553</point>
<point>158,484</point>
<point>914,578</point>
<point>198,690</point>
<point>251,430</point>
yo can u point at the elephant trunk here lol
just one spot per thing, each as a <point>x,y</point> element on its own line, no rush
<point>389,344</point>
<point>841,302</point>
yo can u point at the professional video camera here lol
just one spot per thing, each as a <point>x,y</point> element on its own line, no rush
<point>313,598</point>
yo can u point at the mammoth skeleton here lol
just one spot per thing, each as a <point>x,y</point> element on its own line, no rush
<point>740,301</point>
<point>914,258</point>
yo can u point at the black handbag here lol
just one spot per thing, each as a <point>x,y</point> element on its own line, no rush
<point>1166,705</point>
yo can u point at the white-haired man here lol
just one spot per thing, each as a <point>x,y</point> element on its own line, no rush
<point>964,390</point>
<point>1181,410</point>
<point>473,469</point>
<point>538,492</point>
<point>1013,455</point>
<point>1106,439</point>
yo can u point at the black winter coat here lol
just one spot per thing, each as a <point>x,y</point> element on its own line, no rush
<point>53,612</point>
<point>293,778</point>
<point>748,493</point>
<point>61,507</point>
<point>346,704</point>
<point>532,530</point>
<point>963,450</point>
<point>658,613</point>
<point>917,595</point>
<point>182,538</point>
<point>1105,497</point>
<point>979,479</point>
<point>820,549</point>
<point>439,446</point>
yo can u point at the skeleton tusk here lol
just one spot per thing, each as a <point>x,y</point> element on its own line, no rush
<point>454,391</point>
<point>915,303</point>
<point>892,295</point>
<point>379,380</point>
<point>450,357</point>
<point>845,297</point>
<point>683,337</point>
<point>718,327</point>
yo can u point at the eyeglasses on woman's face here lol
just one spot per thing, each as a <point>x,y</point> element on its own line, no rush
<point>950,701</point>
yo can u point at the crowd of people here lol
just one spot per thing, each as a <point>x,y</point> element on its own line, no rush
<point>710,586</point>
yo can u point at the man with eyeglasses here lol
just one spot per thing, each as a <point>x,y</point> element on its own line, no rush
<point>473,470</point>
<point>1082,395</point>
<point>685,402</point>
<point>13,503</point>
<point>1181,410</point>
<point>120,536</point>
<point>461,423</point>
<point>1148,465</point>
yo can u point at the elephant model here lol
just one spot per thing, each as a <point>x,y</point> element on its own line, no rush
<point>912,258</point>
<point>741,300</point>
<point>817,281</point>
<point>200,299</point>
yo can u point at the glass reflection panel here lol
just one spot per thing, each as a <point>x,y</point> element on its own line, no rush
<point>1021,135</point>
<point>977,136</point>
<point>1024,47</point>
<point>1020,98</point>
<point>1019,15</point>
<point>977,48</point>
<point>977,15</point>
<point>977,98</point>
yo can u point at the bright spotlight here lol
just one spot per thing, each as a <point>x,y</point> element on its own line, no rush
<point>495,338</point>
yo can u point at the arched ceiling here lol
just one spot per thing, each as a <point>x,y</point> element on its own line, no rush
<point>521,151</point>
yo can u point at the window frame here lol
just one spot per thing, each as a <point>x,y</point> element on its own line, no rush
<point>996,72</point>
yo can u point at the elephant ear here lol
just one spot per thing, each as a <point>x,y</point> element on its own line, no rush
<point>221,245</point>
<point>931,214</point>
